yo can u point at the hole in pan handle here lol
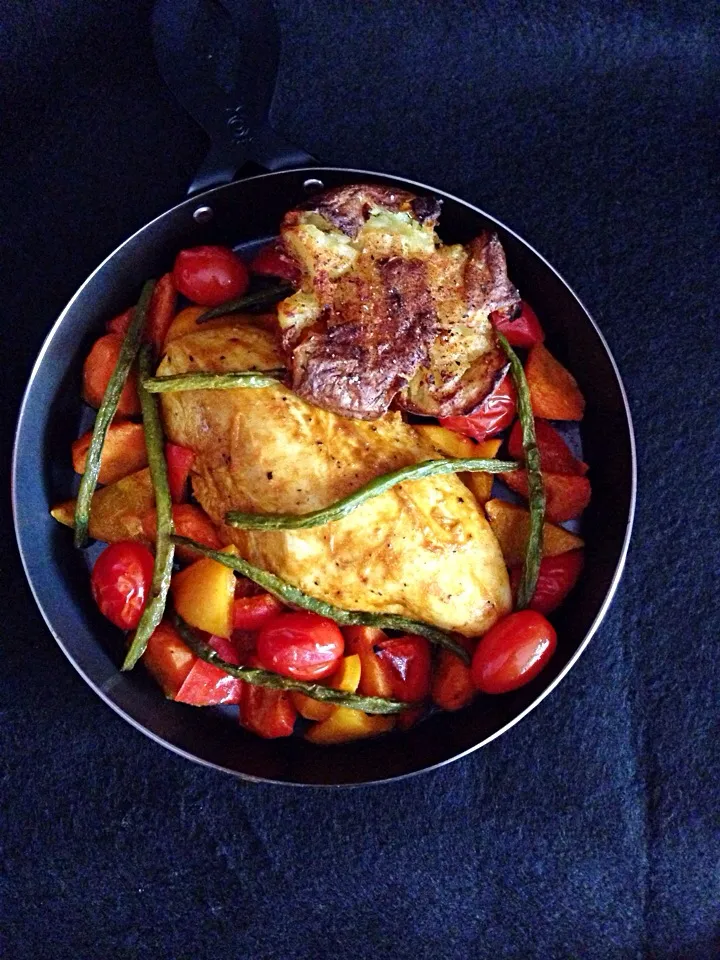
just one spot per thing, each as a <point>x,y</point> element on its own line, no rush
<point>220,59</point>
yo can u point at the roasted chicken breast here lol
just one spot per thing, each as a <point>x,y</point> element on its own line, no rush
<point>423,549</point>
<point>385,312</point>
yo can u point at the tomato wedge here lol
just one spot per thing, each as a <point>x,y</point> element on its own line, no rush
<point>491,416</point>
<point>513,652</point>
<point>207,685</point>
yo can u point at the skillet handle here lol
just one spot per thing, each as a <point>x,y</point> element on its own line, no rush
<point>220,59</point>
<point>224,161</point>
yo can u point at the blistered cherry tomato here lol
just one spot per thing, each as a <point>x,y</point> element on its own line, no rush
<point>513,652</point>
<point>524,331</point>
<point>491,416</point>
<point>210,275</point>
<point>121,580</point>
<point>302,645</point>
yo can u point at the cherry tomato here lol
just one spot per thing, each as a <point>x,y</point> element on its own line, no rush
<point>251,613</point>
<point>524,331</point>
<point>274,261</point>
<point>558,575</point>
<point>210,275</point>
<point>301,645</point>
<point>513,652</point>
<point>268,713</point>
<point>179,461</point>
<point>408,659</point>
<point>121,580</point>
<point>491,416</point>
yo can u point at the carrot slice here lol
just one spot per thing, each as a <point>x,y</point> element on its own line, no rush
<point>99,368</point>
<point>554,391</point>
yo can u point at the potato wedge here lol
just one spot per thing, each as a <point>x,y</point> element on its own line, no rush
<point>511,525</point>
<point>123,452</point>
<point>481,483</point>
<point>116,511</point>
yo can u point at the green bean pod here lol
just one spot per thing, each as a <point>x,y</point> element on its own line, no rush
<point>266,678</point>
<point>262,298</point>
<point>110,400</point>
<point>536,488</point>
<point>297,598</point>
<point>181,382</point>
<point>164,547</point>
<point>341,508</point>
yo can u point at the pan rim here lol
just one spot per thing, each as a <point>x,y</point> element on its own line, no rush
<point>614,583</point>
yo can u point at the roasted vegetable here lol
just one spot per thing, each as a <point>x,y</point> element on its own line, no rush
<point>204,594</point>
<point>292,595</point>
<point>346,725</point>
<point>536,490</point>
<point>98,370</point>
<point>341,508</point>
<point>555,455</point>
<point>452,684</point>
<point>266,678</point>
<point>566,497</point>
<point>108,408</point>
<point>164,548</point>
<point>123,451</point>
<point>182,382</point>
<point>511,525</point>
<point>262,298</point>
<point>553,389</point>
<point>346,677</point>
<point>481,483</point>
<point>116,511</point>
<point>168,658</point>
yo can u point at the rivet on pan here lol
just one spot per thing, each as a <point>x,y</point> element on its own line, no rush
<point>203,214</point>
<point>312,185</point>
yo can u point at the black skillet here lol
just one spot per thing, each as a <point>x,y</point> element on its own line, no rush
<point>221,61</point>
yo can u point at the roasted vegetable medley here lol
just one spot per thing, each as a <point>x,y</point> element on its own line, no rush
<point>329,480</point>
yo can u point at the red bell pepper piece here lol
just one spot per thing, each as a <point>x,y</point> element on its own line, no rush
<point>179,462</point>
<point>524,331</point>
<point>565,497</point>
<point>168,658</point>
<point>161,311</point>
<point>491,416</point>
<point>408,659</point>
<point>121,322</point>
<point>250,613</point>
<point>558,575</point>
<point>555,455</point>
<point>274,261</point>
<point>207,685</point>
<point>189,521</point>
<point>268,713</point>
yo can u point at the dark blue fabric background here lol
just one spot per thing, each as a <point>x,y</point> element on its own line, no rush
<point>591,829</point>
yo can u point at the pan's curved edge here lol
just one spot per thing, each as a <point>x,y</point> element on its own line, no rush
<point>317,172</point>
